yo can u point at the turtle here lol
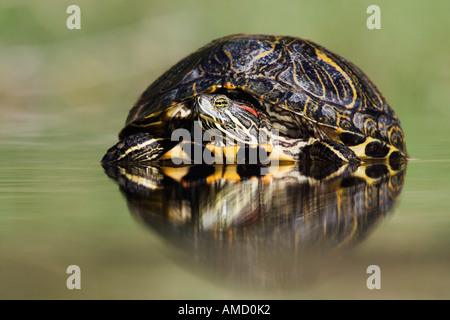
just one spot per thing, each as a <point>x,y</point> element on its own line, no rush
<point>260,98</point>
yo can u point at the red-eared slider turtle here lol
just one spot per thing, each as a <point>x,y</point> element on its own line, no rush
<point>288,96</point>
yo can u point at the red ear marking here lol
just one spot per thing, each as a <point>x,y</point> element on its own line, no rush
<point>255,113</point>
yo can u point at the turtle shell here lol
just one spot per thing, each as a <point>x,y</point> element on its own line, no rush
<point>290,73</point>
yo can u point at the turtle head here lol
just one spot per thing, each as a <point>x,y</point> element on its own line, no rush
<point>236,121</point>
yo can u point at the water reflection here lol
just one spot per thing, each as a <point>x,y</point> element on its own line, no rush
<point>257,226</point>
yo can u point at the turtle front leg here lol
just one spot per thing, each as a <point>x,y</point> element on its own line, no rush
<point>329,151</point>
<point>139,147</point>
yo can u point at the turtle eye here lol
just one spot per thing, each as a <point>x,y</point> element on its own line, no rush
<point>220,103</point>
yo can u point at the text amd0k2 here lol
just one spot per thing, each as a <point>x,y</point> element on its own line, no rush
<point>227,309</point>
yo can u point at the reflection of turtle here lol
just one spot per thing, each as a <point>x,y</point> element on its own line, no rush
<point>291,97</point>
<point>277,229</point>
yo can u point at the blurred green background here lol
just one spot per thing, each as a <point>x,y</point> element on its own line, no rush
<point>65,94</point>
